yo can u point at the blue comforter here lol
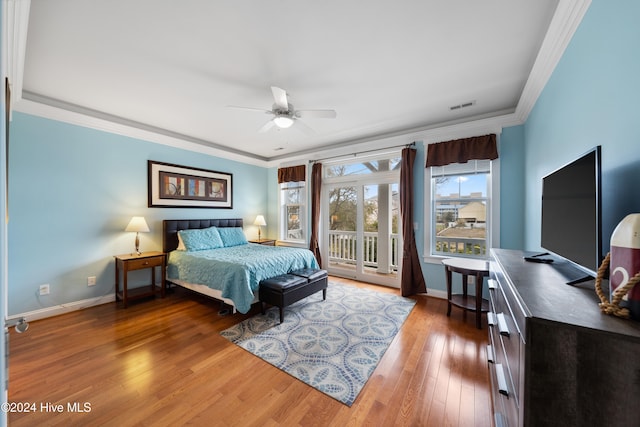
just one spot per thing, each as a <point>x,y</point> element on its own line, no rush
<point>237,270</point>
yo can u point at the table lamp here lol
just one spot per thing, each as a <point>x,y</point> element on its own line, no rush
<point>139,225</point>
<point>259,222</point>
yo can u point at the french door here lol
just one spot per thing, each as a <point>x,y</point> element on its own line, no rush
<point>361,223</point>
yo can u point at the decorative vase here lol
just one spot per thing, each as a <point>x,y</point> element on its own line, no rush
<point>625,261</point>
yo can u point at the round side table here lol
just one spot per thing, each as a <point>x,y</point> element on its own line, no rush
<point>467,267</point>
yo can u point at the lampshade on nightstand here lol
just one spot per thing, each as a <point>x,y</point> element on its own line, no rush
<point>259,222</point>
<point>139,225</point>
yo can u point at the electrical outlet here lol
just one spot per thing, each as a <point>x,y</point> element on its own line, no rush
<point>91,281</point>
<point>44,289</point>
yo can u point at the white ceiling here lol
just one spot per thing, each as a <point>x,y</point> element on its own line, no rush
<point>174,67</point>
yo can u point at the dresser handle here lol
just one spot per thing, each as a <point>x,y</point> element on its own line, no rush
<point>146,263</point>
<point>502,381</point>
<point>490,354</point>
<point>502,325</point>
<point>491,319</point>
<point>492,284</point>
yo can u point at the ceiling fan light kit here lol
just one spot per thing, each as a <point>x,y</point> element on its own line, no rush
<point>283,121</point>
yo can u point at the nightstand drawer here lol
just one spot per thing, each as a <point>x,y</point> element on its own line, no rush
<point>137,264</point>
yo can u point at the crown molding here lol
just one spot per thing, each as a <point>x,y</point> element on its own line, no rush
<point>119,126</point>
<point>15,38</point>
<point>427,135</point>
<point>565,22</point>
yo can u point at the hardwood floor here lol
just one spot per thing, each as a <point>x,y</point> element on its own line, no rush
<point>163,362</point>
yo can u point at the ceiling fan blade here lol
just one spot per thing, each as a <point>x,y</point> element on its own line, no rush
<point>304,128</point>
<point>267,126</point>
<point>317,114</point>
<point>261,110</point>
<point>280,97</point>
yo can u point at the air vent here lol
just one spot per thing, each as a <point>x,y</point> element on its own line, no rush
<point>463,105</point>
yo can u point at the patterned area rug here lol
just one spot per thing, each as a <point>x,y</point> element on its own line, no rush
<point>333,345</point>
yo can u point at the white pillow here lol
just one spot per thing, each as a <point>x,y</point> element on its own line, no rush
<point>181,246</point>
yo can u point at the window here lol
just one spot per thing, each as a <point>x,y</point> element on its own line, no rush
<point>374,165</point>
<point>460,217</point>
<point>293,198</point>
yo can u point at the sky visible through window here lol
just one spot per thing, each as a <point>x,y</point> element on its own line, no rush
<point>464,185</point>
<point>359,168</point>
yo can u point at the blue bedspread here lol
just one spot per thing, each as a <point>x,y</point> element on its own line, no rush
<point>237,270</point>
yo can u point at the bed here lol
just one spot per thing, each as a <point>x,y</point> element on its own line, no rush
<point>230,270</point>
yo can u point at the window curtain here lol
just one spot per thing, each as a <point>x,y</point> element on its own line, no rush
<point>462,150</point>
<point>291,174</point>
<point>316,191</point>
<point>412,280</point>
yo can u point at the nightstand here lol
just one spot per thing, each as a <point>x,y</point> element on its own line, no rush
<point>129,262</point>
<point>265,242</point>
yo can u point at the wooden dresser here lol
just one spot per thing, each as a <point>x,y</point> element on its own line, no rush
<point>555,359</point>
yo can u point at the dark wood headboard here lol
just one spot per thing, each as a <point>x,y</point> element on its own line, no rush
<point>170,228</point>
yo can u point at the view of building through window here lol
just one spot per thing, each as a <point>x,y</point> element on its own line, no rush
<point>460,214</point>
<point>293,202</point>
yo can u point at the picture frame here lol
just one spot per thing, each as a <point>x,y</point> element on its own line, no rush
<point>171,186</point>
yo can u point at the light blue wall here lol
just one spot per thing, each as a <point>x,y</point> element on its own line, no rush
<point>591,99</point>
<point>73,191</point>
<point>512,188</point>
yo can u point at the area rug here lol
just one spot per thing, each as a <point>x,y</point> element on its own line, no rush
<point>333,345</point>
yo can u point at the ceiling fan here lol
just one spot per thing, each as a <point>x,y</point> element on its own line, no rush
<point>284,115</point>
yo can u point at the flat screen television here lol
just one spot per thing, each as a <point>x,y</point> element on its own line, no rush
<point>572,213</point>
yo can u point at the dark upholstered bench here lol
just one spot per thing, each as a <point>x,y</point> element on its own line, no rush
<point>282,291</point>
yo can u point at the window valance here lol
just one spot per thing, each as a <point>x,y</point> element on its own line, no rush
<point>462,150</point>
<point>291,174</point>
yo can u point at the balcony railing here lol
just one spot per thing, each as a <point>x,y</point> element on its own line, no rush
<point>460,246</point>
<point>343,248</point>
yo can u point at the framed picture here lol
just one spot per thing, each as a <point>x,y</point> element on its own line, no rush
<point>180,186</point>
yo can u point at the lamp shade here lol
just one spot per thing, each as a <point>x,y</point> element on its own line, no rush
<point>137,224</point>
<point>259,220</point>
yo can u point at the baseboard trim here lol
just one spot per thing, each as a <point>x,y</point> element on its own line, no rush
<point>437,294</point>
<point>56,310</point>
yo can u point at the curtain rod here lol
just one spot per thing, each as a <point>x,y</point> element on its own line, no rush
<point>363,152</point>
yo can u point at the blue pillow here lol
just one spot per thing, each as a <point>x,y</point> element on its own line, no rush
<point>232,236</point>
<point>201,239</point>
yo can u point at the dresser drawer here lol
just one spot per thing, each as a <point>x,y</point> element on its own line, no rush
<point>137,264</point>
<point>505,406</point>
<point>507,347</point>
<point>509,339</point>
<point>505,409</point>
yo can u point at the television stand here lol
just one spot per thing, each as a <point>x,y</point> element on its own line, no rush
<point>572,274</point>
<point>538,258</point>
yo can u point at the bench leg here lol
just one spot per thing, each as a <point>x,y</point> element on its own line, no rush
<point>262,304</point>
<point>324,294</point>
<point>281,314</point>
